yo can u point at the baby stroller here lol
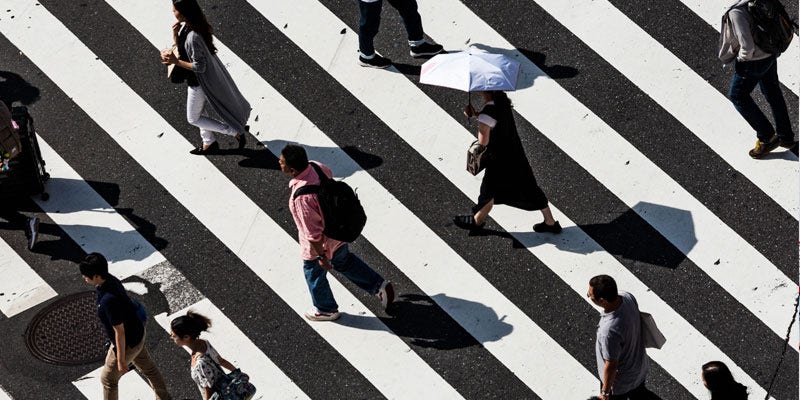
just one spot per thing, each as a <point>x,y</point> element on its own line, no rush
<point>22,172</point>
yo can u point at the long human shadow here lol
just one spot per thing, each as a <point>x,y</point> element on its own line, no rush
<point>14,88</point>
<point>341,166</point>
<point>54,240</point>
<point>625,236</point>
<point>418,318</point>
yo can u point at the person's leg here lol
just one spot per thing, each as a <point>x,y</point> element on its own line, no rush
<point>356,270</point>
<point>318,286</point>
<point>642,393</point>
<point>483,212</point>
<point>195,102</point>
<point>145,364</point>
<point>548,216</point>
<point>109,377</point>
<point>770,87</point>
<point>368,25</point>
<point>411,20</point>
<point>744,81</point>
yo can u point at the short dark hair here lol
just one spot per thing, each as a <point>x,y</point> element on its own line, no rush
<point>191,324</point>
<point>604,287</point>
<point>94,264</point>
<point>295,157</point>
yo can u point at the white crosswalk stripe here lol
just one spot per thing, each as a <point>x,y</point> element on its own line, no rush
<point>26,290</point>
<point>257,238</point>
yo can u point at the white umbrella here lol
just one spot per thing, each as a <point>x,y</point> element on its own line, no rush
<point>471,70</point>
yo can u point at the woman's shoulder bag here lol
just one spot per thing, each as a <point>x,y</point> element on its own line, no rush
<point>476,158</point>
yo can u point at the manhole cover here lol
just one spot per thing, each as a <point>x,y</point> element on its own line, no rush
<point>68,332</point>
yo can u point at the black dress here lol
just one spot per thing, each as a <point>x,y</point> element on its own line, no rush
<point>508,178</point>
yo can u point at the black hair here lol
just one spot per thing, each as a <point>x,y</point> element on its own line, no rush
<point>604,287</point>
<point>191,324</point>
<point>94,264</point>
<point>721,384</point>
<point>500,99</point>
<point>196,20</point>
<point>295,157</point>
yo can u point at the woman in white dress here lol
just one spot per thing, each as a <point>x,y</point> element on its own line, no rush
<point>206,362</point>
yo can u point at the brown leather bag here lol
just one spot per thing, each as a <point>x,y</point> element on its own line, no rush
<point>10,145</point>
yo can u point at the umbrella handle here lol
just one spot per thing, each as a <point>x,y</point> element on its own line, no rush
<point>469,103</point>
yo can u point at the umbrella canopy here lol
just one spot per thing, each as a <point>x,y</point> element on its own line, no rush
<point>471,70</point>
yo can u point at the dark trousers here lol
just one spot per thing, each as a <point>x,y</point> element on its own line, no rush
<point>370,21</point>
<point>640,393</point>
<point>763,73</point>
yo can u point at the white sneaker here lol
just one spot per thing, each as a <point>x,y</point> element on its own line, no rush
<point>386,294</point>
<point>316,315</point>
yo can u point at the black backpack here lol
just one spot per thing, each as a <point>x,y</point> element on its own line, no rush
<point>344,217</point>
<point>772,28</point>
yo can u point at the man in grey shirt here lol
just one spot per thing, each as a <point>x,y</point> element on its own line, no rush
<point>622,363</point>
<point>752,67</point>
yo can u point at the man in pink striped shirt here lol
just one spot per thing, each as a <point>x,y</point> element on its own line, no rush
<point>320,253</point>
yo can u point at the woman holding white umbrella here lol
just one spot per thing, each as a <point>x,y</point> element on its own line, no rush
<point>508,178</point>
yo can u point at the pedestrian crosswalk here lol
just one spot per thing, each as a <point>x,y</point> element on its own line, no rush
<point>498,315</point>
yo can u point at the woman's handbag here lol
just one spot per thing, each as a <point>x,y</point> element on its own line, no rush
<point>175,73</point>
<point>651,335</point>
<point>476,158</point>
<point>233,386</point>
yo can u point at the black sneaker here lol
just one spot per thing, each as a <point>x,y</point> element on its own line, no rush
<point>543,227</point>
<point>426,49</point>
<point>375,62</point>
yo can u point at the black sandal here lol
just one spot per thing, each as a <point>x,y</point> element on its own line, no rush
<point>212,148</point>
<point>467,222</point>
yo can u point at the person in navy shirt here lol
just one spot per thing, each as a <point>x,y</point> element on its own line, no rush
<point>124,328</point>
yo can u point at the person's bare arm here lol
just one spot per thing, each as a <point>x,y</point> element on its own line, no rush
<point>119,344</point>
<point>226,364</point>
<point>483,134</point>
<point>609,376</point>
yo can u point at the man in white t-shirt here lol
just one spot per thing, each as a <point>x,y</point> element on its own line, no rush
<point>370,21</point>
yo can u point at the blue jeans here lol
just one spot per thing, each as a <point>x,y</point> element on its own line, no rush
<point>764,73</point>
<point>349,265</point>
<point>370,21</point>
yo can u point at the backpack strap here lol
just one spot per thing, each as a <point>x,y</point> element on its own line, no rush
<point>322,177</point>
<point>307,189</point>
